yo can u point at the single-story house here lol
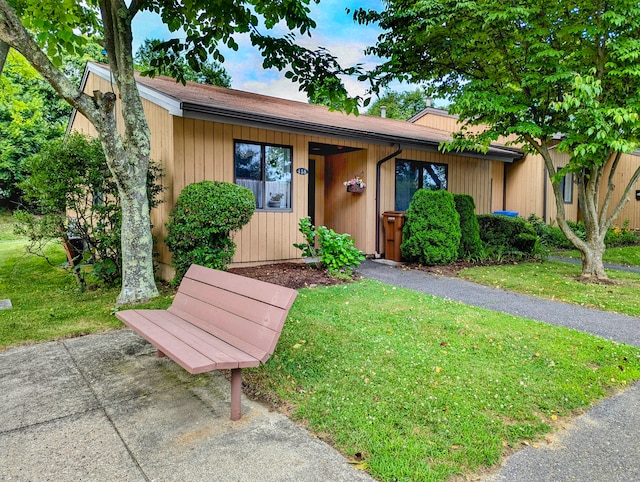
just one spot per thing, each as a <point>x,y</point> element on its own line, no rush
<point>527,188</point>
<point>295,157</point>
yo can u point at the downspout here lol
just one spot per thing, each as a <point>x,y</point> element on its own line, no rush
<point>544,194</point>
<point>378,167</point>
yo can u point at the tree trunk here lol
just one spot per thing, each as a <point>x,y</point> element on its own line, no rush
<point>4,51</point>
<point>138,283</point>
<point>592,265</point>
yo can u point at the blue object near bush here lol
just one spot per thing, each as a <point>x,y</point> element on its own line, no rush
<point>511,214</point>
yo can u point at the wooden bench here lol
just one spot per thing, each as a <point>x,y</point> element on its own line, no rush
<point>218,320</point>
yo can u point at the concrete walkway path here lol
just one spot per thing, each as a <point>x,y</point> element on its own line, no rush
<point>104,408</point>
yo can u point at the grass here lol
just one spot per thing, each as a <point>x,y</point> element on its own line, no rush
<point>46,302</point>
<point>421,388</point>
<point>409,386</point>
<point>556,280</point>
<point>626,255</point>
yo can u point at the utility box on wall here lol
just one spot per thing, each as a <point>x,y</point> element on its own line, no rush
<point>637,195</point>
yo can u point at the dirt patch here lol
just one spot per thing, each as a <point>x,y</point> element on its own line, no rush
<point>291,275</point>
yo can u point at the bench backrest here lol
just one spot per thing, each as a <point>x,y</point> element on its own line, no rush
<point>246,313</point>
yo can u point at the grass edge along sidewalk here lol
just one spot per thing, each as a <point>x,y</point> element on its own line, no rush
<point>414,387</point>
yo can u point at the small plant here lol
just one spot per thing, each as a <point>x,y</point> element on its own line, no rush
<point>309,249</point>
<point>337,252</point>
<point>276,196</point>
<point>357,181</point>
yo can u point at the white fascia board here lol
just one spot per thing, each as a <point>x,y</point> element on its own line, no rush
<point>171,104</point>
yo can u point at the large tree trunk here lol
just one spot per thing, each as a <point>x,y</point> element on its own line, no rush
<point>592,265</point>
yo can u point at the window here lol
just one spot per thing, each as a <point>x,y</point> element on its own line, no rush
<point>266,170</point>
<point>414,175</point>
<point>566,188</point>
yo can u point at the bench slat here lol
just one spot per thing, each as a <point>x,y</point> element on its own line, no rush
<point>188,358</point>
<point>257,311</point>
<point>275,295</point>
<point>224,355</point>
<point>256,340</point>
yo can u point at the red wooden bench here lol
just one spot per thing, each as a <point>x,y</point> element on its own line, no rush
<point>218,320</point>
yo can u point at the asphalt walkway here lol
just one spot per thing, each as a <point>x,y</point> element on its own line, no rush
<point>103,407</point>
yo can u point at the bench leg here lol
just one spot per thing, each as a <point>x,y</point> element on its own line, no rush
<point>236,393</point>
<point>161,354</point>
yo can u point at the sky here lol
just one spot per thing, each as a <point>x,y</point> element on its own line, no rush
<point>336,31</point>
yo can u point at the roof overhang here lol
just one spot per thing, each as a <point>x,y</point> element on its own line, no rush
<point>181,108</point>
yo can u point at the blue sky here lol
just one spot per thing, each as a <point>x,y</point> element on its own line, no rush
<point>336,31</point>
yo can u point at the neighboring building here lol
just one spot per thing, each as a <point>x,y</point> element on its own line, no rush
<point>301,152</point>
<point>527,186</point>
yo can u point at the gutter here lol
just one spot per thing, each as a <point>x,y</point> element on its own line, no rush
<point>378,167</point>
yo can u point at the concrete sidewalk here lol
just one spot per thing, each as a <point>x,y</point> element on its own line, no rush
<point>103,407</point>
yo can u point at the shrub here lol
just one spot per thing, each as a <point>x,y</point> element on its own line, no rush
<point>201,223</point>
<point>470,242</point>
<point>71,176</point>
<point>431,232</point>
<point>508,237</point>
<point>552,237</point>
<point>337,252</point>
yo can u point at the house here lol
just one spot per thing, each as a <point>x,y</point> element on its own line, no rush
<point>300,154</point>
<point>527,188</point>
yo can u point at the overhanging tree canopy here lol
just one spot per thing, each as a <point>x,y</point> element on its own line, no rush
<point>531,69</point>
<point>43,30</point>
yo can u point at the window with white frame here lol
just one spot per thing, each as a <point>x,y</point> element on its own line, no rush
<point>414,175</point>
<point>266,169</point>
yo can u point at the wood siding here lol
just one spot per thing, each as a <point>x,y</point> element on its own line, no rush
<point>192,150</point>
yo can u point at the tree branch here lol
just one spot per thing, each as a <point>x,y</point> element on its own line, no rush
<point>13,33</point>
<point>4,51</point>
<point>610,187</point>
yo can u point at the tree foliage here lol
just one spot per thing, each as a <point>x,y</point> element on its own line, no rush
<point>149,56</point>
<point>530,70</point>
<point>399,105</point>
<point>74,195</point>
<point>31,113</point>
<point>43,31</point>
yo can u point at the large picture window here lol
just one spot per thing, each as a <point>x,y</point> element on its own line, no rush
<point>267,170</point>
<point>414,175</point>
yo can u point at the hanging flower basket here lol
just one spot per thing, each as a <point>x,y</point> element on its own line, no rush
<point>356,184</point>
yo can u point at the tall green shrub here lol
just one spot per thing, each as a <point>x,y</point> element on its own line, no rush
<point>470,242</point>
<point>201,223</point>
<point>431,233</point>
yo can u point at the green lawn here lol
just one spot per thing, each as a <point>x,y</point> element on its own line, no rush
<point>46,302</point>
<point>409,386</point>
<point>425,388</point>
<point>556,280</point>
<point>626,256</point>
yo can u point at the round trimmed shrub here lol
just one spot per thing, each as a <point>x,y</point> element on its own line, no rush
<point>470,242</point>
<point>201,223</point>
<point>431,233</point>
